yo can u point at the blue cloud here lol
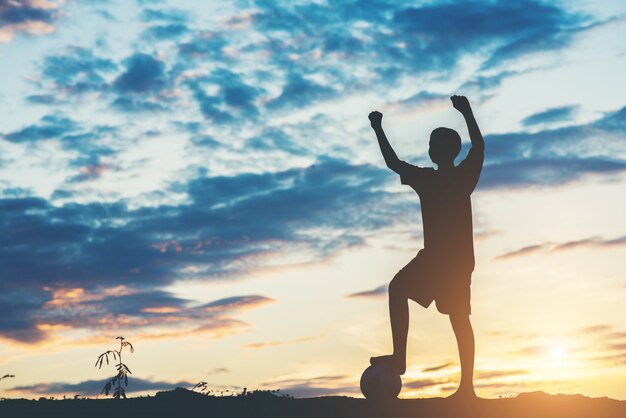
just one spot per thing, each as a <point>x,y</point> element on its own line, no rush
<point>411,38</point>
<point>546,171</point>
<point>12,13</point>
<point>556,114</point>
<point>71,135</point>
<point>276,139</point>
<point>226,228</point>
<point>300,92</point>
<point>438,33</point>
<point>18,310</point>
<point>164,15</point>
<point>390,39</point>
<point>613,121</point>
<point>50,127</point>
<point>235,100</point>
<point>564,142</point>
<point>204,45</point>
<point>129,104</point>
<point>77,70</point>
<point>143,73</point>
<point>44,99</point>
<point>171,31</point>
<point>94,387</point>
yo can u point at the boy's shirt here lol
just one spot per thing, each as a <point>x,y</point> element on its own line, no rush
<point>447,208</point>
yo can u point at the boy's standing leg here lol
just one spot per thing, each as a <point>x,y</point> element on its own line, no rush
<point>465,341</point>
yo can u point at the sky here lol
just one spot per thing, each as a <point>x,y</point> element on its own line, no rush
<point>200,177</point>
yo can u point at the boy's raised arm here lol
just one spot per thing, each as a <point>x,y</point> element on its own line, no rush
<point>391,159</point>
<point>461,104</point>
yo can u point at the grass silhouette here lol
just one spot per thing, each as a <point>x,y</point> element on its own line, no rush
<point>186,403</point>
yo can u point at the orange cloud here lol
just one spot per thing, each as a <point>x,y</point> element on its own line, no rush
<point>269,344</point>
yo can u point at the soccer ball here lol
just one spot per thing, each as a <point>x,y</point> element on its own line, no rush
<point>380,381</point>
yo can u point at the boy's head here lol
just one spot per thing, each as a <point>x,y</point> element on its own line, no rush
<point>445,145</point>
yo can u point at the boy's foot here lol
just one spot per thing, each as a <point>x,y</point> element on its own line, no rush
<point>397,363</point>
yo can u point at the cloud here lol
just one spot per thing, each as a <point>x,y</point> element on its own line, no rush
<point>568,142</point>
<point>94,387</point>
<point>72,135</point>
<point>164,15</point>
<point>315,386</point>
<point>423,383</point>
<point>612,350</point>
<point>272,139</point>
<point>617,347</point>
<point>236,303</point>
<point>230,225</point>
<point>220,370</point>
<point>611,360</point>
<point>234,99</point>
<point>139,83</point>
<point>307,46</point>
<point>50,127</point>
<point>128,104</point>
<point>301,92</point>
<point>27,16</point>
<point>17,308</point>
<point>594,329</point>
<point>170,31</point>
<point>272,344</point>
<point>123,310</point>
<point>482,375</point>
<point>530,249</point>
<point>409,38</point>
<point>77,70</point>
<point>546,172</point>
<point>204,45</point>
<point>424,99</point>
<point>301,53</point>
<point>593,242</point>
<point>378,292</point>
<point>455,26</point>
<point>555,114</point>
<point>43,99</point>
<point>143,73</point>
<point>437,368</point>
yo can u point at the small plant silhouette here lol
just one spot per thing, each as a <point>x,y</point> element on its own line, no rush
<point>203,387</point>
<point>122,370</point>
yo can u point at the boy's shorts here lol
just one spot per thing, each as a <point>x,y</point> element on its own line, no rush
<point>427,278</point>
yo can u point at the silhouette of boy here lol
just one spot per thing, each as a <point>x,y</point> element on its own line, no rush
<point>441,271</point>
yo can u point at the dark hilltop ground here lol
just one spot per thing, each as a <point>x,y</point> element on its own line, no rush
<point>185,403</point>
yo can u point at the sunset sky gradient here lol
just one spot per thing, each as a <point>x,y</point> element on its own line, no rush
<point>201,178</point>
